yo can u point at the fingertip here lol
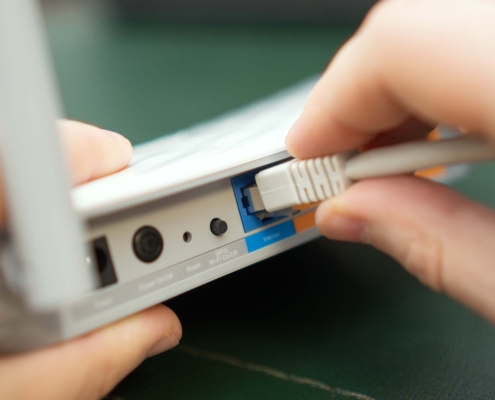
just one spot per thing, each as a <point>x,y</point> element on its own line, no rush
<point>136,336</point>
<point>293,140</point>
<point>164,327</point>
<point>317,134</point>
<point>115,135</point>
<point>94,152</point>
<point>125,144</point>
<point>120,347</point>
<point>308,138</point>
<point>166,322</point>
<point>167,343</point>
<point>335,223</point>
<point>119,143</point>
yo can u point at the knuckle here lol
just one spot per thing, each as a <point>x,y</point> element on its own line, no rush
<point>424,257</point>
<point>381,13</point>
<point>395,20</point>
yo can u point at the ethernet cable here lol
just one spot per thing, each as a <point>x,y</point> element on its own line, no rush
<point>299,182</point>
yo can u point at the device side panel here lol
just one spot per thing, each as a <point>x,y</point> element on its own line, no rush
<point>173,245</point>
<point>183,224</point>
<point>106,306</point>
<point>21,329</point>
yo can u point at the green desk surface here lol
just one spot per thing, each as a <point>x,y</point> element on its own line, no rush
<point>323,321</point>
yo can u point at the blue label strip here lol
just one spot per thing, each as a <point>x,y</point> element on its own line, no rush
<point>270,236</point>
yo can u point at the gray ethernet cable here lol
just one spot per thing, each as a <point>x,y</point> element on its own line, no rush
<point>308,181</point>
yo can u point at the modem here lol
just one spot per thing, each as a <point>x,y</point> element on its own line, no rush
<point>178,217</point>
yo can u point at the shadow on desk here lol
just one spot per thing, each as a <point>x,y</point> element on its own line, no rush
<point>326,320</point>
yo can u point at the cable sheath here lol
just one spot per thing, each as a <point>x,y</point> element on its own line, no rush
<point>413,156</point>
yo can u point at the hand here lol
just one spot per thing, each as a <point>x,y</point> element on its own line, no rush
<point>411,65</point>
<point>88,367</point>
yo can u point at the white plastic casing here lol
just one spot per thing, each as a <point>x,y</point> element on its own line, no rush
<point>303,181</point>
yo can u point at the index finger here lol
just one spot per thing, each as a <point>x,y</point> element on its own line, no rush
<point>93,152</point>
<point>433,60</point>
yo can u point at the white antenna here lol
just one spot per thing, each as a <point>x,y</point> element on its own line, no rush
<point>47,234</point>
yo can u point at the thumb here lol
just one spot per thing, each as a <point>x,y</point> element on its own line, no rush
<point>90,366</point>
<point>442,238</point>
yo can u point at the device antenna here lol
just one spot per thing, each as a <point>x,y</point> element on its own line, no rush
<point>46,232</point>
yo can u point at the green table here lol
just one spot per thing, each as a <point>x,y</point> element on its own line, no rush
<point>323,321</point>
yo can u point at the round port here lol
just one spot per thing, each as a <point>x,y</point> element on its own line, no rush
<point>148,244</point>
<point>187,236</point>
<point>218,227</point>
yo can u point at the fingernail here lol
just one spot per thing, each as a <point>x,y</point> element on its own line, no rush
<point>293,133</point>
<point>115,135</point>
<point>163,345</point>
<point>344,228</point>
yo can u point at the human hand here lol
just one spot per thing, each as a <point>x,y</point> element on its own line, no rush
<point>88,367</point>
<point>410,66</point>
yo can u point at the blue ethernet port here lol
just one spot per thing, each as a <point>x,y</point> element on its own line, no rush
<point>250,221</point>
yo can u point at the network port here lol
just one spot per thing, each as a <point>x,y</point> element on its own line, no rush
<point>248,211</point>
<point>104,262</point>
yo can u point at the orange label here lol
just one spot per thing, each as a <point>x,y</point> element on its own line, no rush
<point>305,222</point>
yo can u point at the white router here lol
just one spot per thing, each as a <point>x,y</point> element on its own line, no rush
<point>176,218</point>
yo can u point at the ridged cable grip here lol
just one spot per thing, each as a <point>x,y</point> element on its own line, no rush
<point>319,178</point>
<point>303,181</point>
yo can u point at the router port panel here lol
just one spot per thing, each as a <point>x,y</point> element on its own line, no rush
<point>184,222</point>
<point>202,239</point>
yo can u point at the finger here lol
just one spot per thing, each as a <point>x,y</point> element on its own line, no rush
<point>442,238</point>
<point>431,59</point>
<point>410,130</point>
<point>93,152</point>
<point>90,366</point>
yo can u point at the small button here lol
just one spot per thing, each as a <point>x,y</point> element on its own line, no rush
<point>218,227</point>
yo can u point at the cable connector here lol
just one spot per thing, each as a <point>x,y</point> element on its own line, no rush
<point>254,205</point>
<point>303,181</point>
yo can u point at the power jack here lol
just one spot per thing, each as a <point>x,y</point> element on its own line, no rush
<point>147,244</point>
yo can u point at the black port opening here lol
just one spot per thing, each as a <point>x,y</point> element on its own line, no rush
<point>106,269</point>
